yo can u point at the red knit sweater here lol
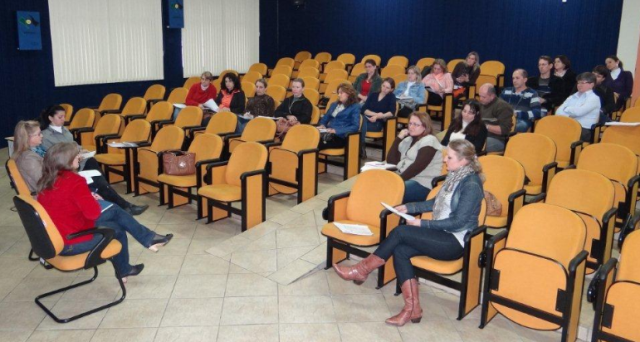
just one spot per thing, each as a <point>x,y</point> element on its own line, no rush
<point>71,206</point>
<point>197,96</point>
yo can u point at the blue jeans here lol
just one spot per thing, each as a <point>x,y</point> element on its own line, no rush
<point>494,145</point>
<point>414,192</point>
<point>405,242</point>
<point>522,125</point>
<point>120,260</point>
<point>242,122</point>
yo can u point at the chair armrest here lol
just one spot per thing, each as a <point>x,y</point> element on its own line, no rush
<point>383,223</point>
<point>628,227</point>
<point>538,198</point>
<point>332,203</point>
<point>109,111</point>
<point>199,165</point>
<point>574,147</point>
<point>94,258</point>
<point>271,144</point>
<point>154,100</point>
<point>599,284</point>
<point>436,180</point>
<point>546,177</point>
<point>162,123</point>
<point>232,135</point>
<point>189,128</point>
<point>512,199</point>
<point>192,130</point>
<point>486,257</point>
<point>307,151</point>
<point>207,177</point>
<point>81,130</point>
<point>248,174</point>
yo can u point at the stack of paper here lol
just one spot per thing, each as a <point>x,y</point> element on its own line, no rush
<point>616,123</point>
<point>354,229</point>
<point>87,174</point>
<point>122,144</point>
<point>376,165</point>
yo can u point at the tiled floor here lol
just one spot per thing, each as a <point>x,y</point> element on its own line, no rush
<point>212,283</point>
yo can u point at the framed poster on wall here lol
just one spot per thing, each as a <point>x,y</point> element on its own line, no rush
<point>29,37</point>
<point>176,13</point>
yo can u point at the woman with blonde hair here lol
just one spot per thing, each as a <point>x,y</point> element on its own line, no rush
<point>455,213</point>
<point>410,93</point>
<point>438,82</point>
<point>465,73</point>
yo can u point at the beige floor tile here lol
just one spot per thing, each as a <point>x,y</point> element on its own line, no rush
<point>233,268</point>
<point>20,315</point>
<point>189,312</point>
<point>204,264</point>
<point>61,336</point>
<point>289,255</point>
<point>150,286</point>
<point>256,261</point>
<point>248,333</point>
<point>17,267</point>
<point>177,246</point>
<point>307,219</point>
<point>298,237</point>
<point>370,332</point>
<point>249,310</point>
<point>179,231</point>
<point>135,313</point>
<point>266,242</point>
<point>306,309</point>
<point>14,336</point>
<point>129,335</point>
<point>250,285</point>
<point>285,217</point>
<point>200,286</point>
<point>159,264</point>
<point>67,308</point>
<point>260,230</point>
<point>200,246</point>
<point>360,308</point>
<point>292,272</point>
<point>432,330</point>
<point>317,256</point>
<point>228,246</point>
<point>7,285</point>
<point>187,334</point>
<point>220,230</point>
<point>309,205</point>
<point>327,332</point>
<point>314,284</point>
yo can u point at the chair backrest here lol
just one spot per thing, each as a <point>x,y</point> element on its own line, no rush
<point>533,151</point>
<point>504,176</point>
<point>302,56</point>
<point>111,102</point>
<point>323,57</point>
<point>280,80</point>
<point>277,92</point>
<point>399,60</point>
<point>374,57</point>
<point>366,194</point>
<point>251,76</point>
<point>309,63</point>
<point>136,130</point>
<point>287,61</point>
<point>493,68</point>
<point>301,137</point>
<point>392,70</point>
<point>452,63</point>
<point>191,81</point>
<point>221,123</point>
<point>160,111</point>
<point>482,79</point>
<point>282,70</point>
<point>248,156</point>
<point>17,181</point>
<point>311,82</point>
<point>563,131</point>
<point>581,190</point>
<point>109,124</point>
<point>312,95</point>
<point>332,87</point>
<point>347,58</point>
<point>549,231</point>
<point>168,138</point>
<point>83,118</point>
<point>155,92</point>
<point>357,69</point>
<point>248,88</point>
<point>334,65</point>
<point>425,62</point>
<point>629,266</point>
<point>336,74</point>
<point>45,238</point>
<point>259,129</point>
<point>315,115</point>
<point>224,72</point>
<point>178,95</point>
<point>259,67</point>
<point>68,111</point>
<point>399,78</point>
<point>135,105</point>
<point>627,136</point>
<point>189,116</point>
<point>309,71</point>
<point>206,146</point>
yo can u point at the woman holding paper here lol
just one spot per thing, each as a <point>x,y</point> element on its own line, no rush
<point>28,155</point>
<point>199,93</point>
<point>73,209</point>
<point>455,212</point>
<point>231,97</point>
<point>417,154</point>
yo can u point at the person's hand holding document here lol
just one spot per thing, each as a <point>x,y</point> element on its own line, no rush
<point>211,104</point>
<point>405,216</point>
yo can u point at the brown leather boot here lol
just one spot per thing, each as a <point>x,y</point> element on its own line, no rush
<point>412,310</point>
<point>359,272</point>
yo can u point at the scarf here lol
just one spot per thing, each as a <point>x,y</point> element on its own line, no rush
<point>39,150</point>
<point>450,183</point>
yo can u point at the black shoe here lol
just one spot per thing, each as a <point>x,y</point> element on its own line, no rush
<point>159,241</point>
<point>135,270</point>
<point>137,209</point>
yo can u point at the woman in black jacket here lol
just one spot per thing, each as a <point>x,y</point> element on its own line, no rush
<point>468,126</point>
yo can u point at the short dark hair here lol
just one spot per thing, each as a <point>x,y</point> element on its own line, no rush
<point>525,74</point>
<point>234,78</point>
<point>546,58</point>
<point>391,82</point>
<point>565,60</point>
<point>601,70</point>
<point>586,77</point>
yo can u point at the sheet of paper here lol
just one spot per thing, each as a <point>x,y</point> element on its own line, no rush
<point>87,155</point>
<point>322,130</point>
<point>376,165</point>
<point>267,117</point>
<point>354,229</point>
<point>393,210</point>
<point>616,123</point>
<point>87,174</point>
<point>179,105</point>
<point>211,104</point>
<point>122,144</point>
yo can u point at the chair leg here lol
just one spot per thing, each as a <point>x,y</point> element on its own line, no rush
<point>86,313</point>
<point>32,256</point>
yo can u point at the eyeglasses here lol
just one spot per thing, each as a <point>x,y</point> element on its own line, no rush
<point>415,124</point>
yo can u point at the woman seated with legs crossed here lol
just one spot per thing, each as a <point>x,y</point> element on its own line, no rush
<point>455,212</point>
<point>73,208</point>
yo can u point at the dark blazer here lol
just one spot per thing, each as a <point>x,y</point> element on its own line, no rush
<point>301,109</point>
<point>477,140</point>
<point>553,99</point>
<point>237,102</point>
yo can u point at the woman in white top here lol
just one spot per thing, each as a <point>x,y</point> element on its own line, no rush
<point>468,126</point>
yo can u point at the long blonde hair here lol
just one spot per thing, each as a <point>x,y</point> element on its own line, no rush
<point>58,158</point>
<point>21,134</point>
<point>465,150</point>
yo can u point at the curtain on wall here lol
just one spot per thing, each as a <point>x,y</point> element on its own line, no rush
<point>106,41</point>
<point>220,35</point>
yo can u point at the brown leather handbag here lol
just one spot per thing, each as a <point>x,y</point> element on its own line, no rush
<point>179,163</point>
<point>494,207</point>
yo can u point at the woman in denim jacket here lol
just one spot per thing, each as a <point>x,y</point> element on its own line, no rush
<point>342,118</point>
<point>410,93</point>
<point>455,212</point>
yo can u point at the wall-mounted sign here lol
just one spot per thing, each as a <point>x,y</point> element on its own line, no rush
<point>29,37</point>
<point>176,13</point>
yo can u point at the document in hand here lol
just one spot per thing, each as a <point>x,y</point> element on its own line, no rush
<point>354,229</point>
<point>211,104</point>
<point>87,155</point>
<point>87,174</point>
<point>393,210</point>
<point>375,165</point>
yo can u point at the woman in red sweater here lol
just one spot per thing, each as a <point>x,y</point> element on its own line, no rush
<point>199,93</point>
<point>73,208</point>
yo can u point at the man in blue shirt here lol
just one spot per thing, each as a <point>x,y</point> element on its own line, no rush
<point>524,101</point>
<point>583,106</point>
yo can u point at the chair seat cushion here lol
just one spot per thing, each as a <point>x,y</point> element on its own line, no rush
<point>110,159</point>
<point>330,230</point>
<point>375,135</point>
<point>333,152</point>
<point>221,192</point>
<point>533,189</point>
<point>178,181</point>
<point>76,262</point>
<point>437,266</point>
<point>89,148</point>
<point>495,221</point>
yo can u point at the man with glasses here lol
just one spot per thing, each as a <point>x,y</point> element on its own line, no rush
<point>583,106</point>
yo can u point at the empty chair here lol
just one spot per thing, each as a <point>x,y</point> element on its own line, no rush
<point>189,117</point>
<point>178,95</point>
<point>312,95</point>
<point>259,67</point>
<point>615,292</point>
<point>221,124</point>
<point>300,57</point>
<point>83,121</point>
<point>311,82</point>
<point>494,70</point>
<point>399,60</point>
<point>154,93</point>
<point>159,113</point>
<point>333,75</point>
<point>282,70</point>
<point>425,62</point>
<point>332,66</point>
<point>293,164</point>
<point>505,180</point>
<point>279,80</point>
<point>241,179</point>
<point>565,133</point>
<point>260,130</point>
<point>392,70</point>
<point>147,162</point>
<point>452,63</point>
<point>348,59</point>
<point>249,89</point>
<point>176,189</point>
<point>277,92</point>
<point>331,88</point>
<point>251,76</point>
<point>308,72</point>
<point>110,104</point>
<point>323,57</point>
<point>309,63</point>
<point>356,71</point>
<point>537,154</point>
<point>191,81</point>
<point>109,125</point>
<point>284,61</point>
<point>350,153</point>
<point>136,107</point>
<point>534,275</point>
